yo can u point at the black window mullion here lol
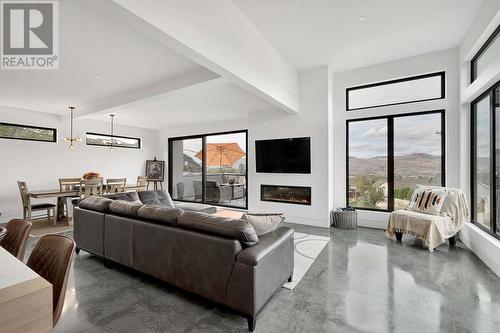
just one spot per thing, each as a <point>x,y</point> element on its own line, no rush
<point>443,149</point>
<point>493,194</point>
<point>203,168</point>
<point>390,163</point>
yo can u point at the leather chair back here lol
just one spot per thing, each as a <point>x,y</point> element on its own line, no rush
<point>16,237</point>
<point>51,259</point>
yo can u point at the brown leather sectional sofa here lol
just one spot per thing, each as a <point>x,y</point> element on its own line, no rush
<point>217,258</point>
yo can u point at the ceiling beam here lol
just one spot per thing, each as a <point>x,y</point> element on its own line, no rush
<point>148,92</point>
<point>166,95</point>
<point>218,36</point>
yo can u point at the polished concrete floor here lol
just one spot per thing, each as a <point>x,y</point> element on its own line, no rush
<point>361,282</point>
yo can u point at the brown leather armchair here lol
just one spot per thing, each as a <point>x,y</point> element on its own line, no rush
<point>16,237</point>
<point>51,259</point>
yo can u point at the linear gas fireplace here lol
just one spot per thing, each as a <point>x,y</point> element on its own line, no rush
<point>299,195</point>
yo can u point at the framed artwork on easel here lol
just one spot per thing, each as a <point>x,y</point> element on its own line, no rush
<point>155,171</point>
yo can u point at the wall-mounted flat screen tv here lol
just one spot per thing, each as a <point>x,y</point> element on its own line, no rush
<point>292,155</point>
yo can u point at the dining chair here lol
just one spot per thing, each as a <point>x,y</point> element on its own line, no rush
<point>142,183</point>
<point>16,237</point>
<point>116,185</point>
<point>51,259</point>
<point>90,187</point>
<point>28,207</point>
<point>68,185</point>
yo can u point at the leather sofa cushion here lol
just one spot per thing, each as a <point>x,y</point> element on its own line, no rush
<point>195,207</point>
<point>164,215</point>
<point>125,196</point>
<point>231,228</point>
<point>95,203</point>
<point>156,197</point>
<point>125,208</point>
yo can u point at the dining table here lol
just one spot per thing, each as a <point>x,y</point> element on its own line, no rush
<point>62,197</point>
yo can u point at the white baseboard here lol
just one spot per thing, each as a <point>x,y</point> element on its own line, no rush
<point>485,246</point>
<point>308,221</point>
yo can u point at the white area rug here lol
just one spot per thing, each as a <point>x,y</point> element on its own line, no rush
<point>307,249</point>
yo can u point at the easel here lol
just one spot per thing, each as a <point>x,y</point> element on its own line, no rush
<point>155,184</point>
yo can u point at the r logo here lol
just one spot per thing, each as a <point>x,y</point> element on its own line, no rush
<point>27,28</point>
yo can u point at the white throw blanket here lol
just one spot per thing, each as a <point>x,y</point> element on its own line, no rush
<point>432,229</point>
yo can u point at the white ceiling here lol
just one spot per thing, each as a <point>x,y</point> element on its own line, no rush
<point>326,32</point>
<point>93,44</point>
<point>211,103</point>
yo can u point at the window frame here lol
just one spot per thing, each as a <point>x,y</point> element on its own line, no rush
<point>486,45</point>
<point>390,153</point>
<point>203,138</point>
<point>493,163</point>
<point>54,131</point>
<point>112,137</point>
<point>442,74</point>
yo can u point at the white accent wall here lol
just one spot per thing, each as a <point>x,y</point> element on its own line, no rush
<point>311,121</point>
<point>41,164</point>
<point>447,61</point>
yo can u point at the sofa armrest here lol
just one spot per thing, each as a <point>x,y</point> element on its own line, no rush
<point>268,243</point>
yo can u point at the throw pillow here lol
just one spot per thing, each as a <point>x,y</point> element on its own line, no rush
<point>427,200</point>
<point>263,223</point>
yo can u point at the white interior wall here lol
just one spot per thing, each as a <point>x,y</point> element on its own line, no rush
<point>311,121</point>
<point>41,164</point>
<point>483,245</point>
<point>447,61</point>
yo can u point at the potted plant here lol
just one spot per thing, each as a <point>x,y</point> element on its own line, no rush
<point>91,175</point>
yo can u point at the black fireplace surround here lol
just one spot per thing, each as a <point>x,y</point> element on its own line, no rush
<point>299,195</point>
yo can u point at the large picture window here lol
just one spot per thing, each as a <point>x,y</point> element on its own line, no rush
<point>387,157</point>
<point>485,166</point>
<point>209,168</point>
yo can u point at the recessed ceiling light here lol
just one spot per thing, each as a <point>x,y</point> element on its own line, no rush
<point>95,76</point>
<point>361,18</point>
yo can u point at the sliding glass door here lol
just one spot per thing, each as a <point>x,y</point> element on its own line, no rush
<point>185,170</point>
<point>209,168</point>
<point>485,158</point>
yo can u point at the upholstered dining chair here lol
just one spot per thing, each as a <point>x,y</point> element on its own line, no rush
<point>28,207</point>
<point>51,259</point>
<point>90,187</point>
<point>16,237</point>
<point>142,183</point>
<point>116,185</point>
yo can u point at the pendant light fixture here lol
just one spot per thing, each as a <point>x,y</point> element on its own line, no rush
<point>72,140</point>
<point>112,132</point>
